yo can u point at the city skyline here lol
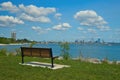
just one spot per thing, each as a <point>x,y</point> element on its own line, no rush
<point>64,20</point>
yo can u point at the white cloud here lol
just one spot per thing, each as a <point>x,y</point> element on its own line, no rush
<point>81,29</point>
<point>36,11</point>
<point>30,12</point>
<point>91,30</point>
<point>43,19</point>
<point>8,6</point>
<point>85,32</point>
<point>36,28</point>
<point>40,30</point>
<point>66,25</point>
<point>90,18</point>
<point>36,14</point>
<point>63,26</point>
<point>58,27</point>
<point>58,16</point>
<point>9,21</point>
<point>48,29</point>
<point>104,28</point>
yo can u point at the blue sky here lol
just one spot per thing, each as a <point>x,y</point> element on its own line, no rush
<point>61,20</point>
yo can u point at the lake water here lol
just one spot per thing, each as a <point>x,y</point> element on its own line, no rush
<point>101,51</point>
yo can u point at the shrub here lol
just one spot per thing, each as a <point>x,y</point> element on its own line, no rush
<point>18,52</point>
<point>32,44</point>
<point>105,60</point>
<point>65,50</point>
<point>3,52</point>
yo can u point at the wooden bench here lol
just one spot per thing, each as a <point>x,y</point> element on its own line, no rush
<point>37,52</point>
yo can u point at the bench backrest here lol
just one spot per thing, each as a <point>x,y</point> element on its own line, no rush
<point>37,52</point>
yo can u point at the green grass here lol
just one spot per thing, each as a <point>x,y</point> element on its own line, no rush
<point>10,69</point>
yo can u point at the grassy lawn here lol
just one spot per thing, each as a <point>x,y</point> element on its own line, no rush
<point>10,69</point>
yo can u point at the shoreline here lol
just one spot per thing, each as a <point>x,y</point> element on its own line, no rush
<point>11,44</point>
<point>97,60</point>
<point>2,44</point>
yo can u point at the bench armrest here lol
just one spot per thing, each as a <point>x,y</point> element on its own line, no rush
<point>55,57</point>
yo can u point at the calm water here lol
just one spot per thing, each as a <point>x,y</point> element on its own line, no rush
<point>111,51</point>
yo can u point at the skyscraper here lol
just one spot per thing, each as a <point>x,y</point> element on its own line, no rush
<point>13,35</point>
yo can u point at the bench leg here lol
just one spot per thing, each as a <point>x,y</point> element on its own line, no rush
<point>52,62</point>
<point>22,59</point>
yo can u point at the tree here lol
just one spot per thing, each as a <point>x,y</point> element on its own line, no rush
<point>65,50</point>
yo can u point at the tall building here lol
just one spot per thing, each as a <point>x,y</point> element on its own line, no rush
<point>98,41</point>
<point>13,35</point>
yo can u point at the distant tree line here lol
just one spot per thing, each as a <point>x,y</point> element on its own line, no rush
<point>5,40</point>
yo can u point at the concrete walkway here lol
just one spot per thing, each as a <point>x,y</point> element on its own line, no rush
<point>44,65</point>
